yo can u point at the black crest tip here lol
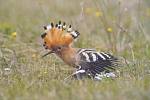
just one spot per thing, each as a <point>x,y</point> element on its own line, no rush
<point>56,25</point>
<point>69,26</point>
<point>52,24</point>
<point>59,22</point>
<point>64,23</point>
<point>77,32</point>
<point>45,27</point>
<point>43,35</point>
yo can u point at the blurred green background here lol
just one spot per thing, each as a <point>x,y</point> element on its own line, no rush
<point>120,27</point>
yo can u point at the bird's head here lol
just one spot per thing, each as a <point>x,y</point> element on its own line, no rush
<point>57,37</point>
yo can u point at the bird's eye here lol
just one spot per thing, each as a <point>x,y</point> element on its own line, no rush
<point>59,48</point>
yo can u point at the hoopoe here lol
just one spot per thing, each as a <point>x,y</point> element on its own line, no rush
<point>88,62</point>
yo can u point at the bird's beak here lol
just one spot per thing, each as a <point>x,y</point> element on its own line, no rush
<point>47,53</point>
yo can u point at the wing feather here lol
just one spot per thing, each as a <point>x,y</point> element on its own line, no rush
<point>97,62</point>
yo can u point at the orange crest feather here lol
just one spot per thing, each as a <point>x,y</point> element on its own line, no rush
<point>57,35</point>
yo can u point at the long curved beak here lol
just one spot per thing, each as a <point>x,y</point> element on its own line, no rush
<point>47,53</point>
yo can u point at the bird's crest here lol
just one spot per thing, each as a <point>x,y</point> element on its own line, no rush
<point>58,34</point>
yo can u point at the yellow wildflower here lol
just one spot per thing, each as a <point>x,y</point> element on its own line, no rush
<point>109,29</point>
<point>88,10</point>
<point>33,55</point>
<point>3,46</point>
<point>14,34</point>
<point>98,13</point>
<point>45,72</point>
<point>148,11</point>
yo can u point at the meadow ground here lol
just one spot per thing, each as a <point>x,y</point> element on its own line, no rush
<point>118,26</point>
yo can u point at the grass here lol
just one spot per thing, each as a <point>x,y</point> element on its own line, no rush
<point>116,26</point>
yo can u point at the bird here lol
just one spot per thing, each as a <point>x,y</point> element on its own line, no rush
<point>59,39</point>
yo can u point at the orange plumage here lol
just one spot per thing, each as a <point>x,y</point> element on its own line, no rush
<point>57,36</point>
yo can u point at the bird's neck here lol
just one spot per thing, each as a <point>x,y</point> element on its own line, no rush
<point>67,55</point>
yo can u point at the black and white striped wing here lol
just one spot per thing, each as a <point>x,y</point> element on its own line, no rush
<point>96,62</point>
